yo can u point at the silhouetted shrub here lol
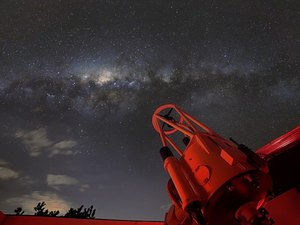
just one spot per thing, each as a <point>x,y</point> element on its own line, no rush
<point>40,210</point>
<point>86,213</point>
<point>83,213</point>
<point>19,211</point>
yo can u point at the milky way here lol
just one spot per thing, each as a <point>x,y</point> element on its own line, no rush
<point>79,81</point>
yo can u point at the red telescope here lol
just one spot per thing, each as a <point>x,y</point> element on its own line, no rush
<point>213,180</point>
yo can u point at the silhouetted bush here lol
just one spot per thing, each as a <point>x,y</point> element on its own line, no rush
<point>19,211</point>
<point>87,213</point>
<point>83,213</point>
<point>40,210</point>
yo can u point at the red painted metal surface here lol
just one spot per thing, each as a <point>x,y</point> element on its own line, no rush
<point>283,156</point>
<point>281,143</point>
<point>285,209</point>
<point>35,220</point>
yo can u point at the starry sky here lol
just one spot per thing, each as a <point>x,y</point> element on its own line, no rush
<point>80,79</point>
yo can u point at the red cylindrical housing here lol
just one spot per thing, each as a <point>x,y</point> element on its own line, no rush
<point>181,182</point>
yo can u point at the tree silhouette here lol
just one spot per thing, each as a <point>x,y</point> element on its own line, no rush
<point>82,213</point>
<point>19,211</point>
<point>87,213</point>
<point>40,210</point>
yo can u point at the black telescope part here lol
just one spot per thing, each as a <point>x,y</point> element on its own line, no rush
<point>186,141</point>
<point>165,152</point>
<point>195,212</point>
<point>168,117</point>
<point>252,157</point>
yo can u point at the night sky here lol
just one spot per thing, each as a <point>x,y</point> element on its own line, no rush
<point>79,81</point>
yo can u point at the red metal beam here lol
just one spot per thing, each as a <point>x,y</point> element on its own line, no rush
<point>36,220</point>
